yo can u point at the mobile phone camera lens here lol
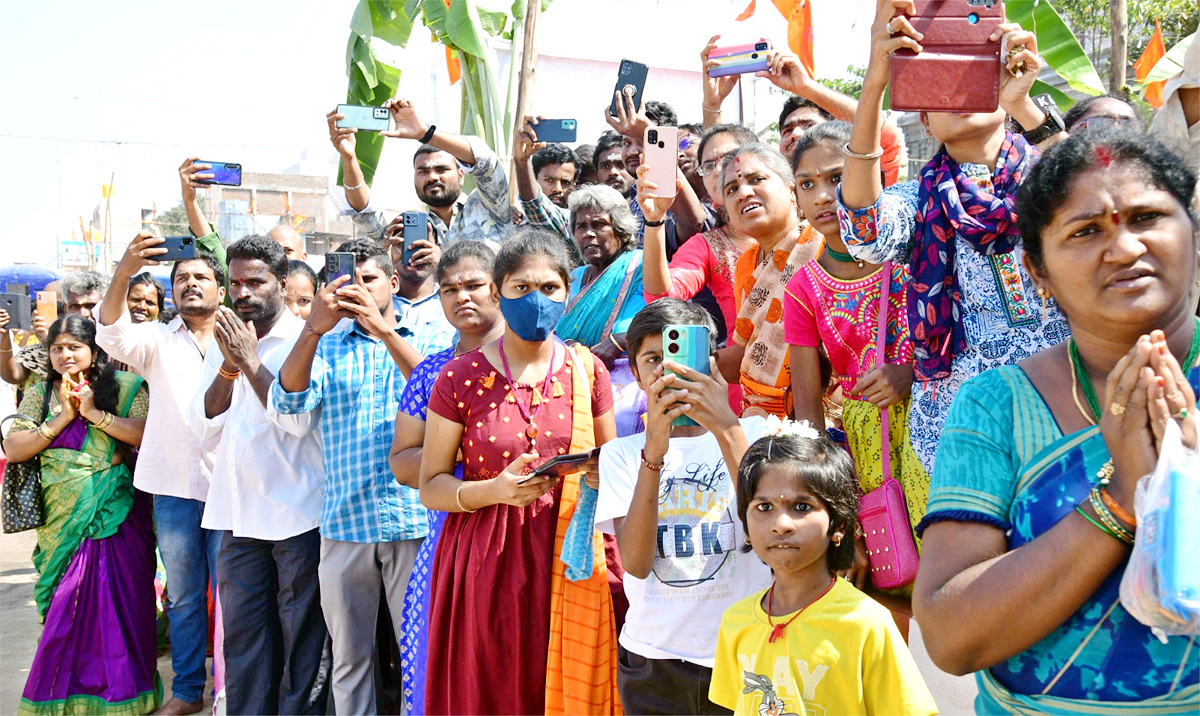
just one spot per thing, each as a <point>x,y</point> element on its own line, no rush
<point>652,135</point>
<point>673,335</point>
<point>973,18</point>
<point>673,348</point>
<point>761,46</point>
<point>754,55</point>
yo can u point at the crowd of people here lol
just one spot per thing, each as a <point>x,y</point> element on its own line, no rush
<point>349,466</point>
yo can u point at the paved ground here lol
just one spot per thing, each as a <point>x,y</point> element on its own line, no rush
<point>19,631</point>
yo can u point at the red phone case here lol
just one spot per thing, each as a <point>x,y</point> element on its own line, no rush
<point>958,69</point>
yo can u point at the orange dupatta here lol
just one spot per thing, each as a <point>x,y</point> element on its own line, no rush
<point>581,663</point>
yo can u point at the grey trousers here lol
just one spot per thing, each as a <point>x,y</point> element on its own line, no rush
<point>353,575</point>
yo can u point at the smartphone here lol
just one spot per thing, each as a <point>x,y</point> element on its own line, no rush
<point>416,228</point>
<point>374,119</point>
<point>1178,576</point>
<point>689,346</point>
<point>224,173</point>
<point>47,306</point>
<point>560,465</point>
<point>740,59</point>
<point>660,152</point>
<point>20,315</point>
<point>338,264</point>
<point>958,69</point>
<point>562,131</point>
<point>179,248</point>
<point>629,74</point>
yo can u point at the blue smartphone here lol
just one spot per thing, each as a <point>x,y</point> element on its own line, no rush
<point>373,119</point>
<point>631,74</point>
<point>179,248</point>
<point>338,264</point>
<point>689,346</point>
<point>224,173</point>
<point>416,228</point>
<point>1179,572</point>
<point>563,131</point>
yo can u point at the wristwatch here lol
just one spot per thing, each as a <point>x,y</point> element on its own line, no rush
<point>1053,124</point>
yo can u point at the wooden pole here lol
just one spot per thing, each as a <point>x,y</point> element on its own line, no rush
<point>1119,52</point>
<point>533,9</point>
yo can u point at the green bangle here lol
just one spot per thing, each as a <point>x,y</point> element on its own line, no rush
<point>1102,528</point>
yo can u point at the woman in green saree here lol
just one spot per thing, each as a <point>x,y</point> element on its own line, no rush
<point>1031,512</point>
<point>95,552</point>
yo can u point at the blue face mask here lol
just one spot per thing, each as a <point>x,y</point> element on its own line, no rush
<point>532,316</point>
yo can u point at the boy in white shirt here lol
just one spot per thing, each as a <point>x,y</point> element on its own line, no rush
<point>668,496</point>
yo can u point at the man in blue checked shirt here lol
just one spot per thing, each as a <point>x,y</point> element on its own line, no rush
<point>354,372</point>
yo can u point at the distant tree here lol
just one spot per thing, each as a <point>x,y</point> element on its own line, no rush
<point>173,221</point>
<point>851,87</point>
<point>1089,20</point>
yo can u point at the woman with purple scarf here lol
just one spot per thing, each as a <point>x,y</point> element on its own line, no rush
<point>95,552</point>
<point>971,303</point>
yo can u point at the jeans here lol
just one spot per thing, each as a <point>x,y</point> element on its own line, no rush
<point>275,636</point>
<point>189,554</point>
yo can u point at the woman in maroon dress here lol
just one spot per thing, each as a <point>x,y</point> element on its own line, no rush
<point>509,407</point>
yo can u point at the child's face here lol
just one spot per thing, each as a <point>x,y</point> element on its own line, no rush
<point>649,357</point>
<point>818,174</point>
<point>300,294</point>
<point>788,525</point>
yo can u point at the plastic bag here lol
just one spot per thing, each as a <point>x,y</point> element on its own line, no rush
<point>1161,584</point>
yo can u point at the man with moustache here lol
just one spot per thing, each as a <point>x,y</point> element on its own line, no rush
<point>439,166</point>
<point>352,373</point>
<point>174,465</point>
<point>265,496</point>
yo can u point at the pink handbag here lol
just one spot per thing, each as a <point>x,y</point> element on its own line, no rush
<point>882,512</point>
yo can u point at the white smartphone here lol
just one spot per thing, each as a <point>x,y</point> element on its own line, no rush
<point>660,152</point>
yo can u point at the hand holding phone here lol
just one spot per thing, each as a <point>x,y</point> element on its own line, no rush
<point>356,116</point>
<point>660,152</point>
<point>20,314</point>
<point>47,306</point>
<point>563,131</point>
<point>688,345</point>
<point>738,59</point>
<point>416,228</point>
<point>224,173</point>
<point>629,74</point>
<point>338,264</point>
<point>176,248</point>
<point>560,466</point>
<point>958,66</point>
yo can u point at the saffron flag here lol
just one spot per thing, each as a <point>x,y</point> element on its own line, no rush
<point>800,30</point>
<point>747,13</point>
<point>453,67</point>
<point>1155,50</point>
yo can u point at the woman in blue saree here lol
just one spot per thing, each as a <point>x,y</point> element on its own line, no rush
<point>1031,505</point>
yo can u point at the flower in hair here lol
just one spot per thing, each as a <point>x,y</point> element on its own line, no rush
<point>793,428</point>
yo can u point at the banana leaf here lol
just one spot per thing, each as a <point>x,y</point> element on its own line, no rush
<point>1057,45</point>
<point>1171,63</point>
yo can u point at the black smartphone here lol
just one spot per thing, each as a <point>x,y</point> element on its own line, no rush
<point>179,248</point>
<point>338,264</point>
<point>563,131</point>
<point>416,228</point>
<point>560,465</point>
<point>629,74</point>
<point>224,173</point>
<point>20,310</point>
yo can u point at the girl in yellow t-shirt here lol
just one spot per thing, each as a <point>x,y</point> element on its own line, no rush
<point>811,643</point>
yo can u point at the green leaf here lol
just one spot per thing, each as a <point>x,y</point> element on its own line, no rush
<point>434,14</point>
<point>391,24</point>
<point>1062,99</point>
<point>361,22</point>
<point>1172,62</point>
<point>1056,44</point>
<point>469,26</point>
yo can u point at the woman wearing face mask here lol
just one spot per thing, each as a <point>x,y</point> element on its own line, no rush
<point>971,304</point>
<point>508,633</point>
<point>705,260</point>
<point>758,191</point>
<point>472,306</point>
<point>95,556</point>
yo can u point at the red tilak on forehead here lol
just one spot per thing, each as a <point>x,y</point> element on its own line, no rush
<point>1103,156</point>
<point>1116,217</point>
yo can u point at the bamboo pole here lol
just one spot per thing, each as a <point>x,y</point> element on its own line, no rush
<point>1119,51</point>
<point>533,9</point>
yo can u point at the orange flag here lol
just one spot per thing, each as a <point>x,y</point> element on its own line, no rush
<point>453,67</point>
<point>747,13</point>
<point>1155,51</point>
<point>800,30</point>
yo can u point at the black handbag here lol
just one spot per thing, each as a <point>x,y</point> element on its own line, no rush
<point>21,493</point>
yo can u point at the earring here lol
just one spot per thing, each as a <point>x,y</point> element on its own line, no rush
<point>748,540</point>
<point>1045,295</point>
<point>837,539</point>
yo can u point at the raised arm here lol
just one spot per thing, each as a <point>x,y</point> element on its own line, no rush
<point>344,142</point>
<point>656,274</point>
<point>527,145</point>
<point>189,173</point>
<point>139,254</point>
<point>409,125</point>
<point>786,72</point>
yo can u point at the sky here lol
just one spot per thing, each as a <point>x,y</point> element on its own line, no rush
<point>124,91</point>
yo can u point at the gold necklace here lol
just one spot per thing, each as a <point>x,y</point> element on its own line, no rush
<point>1075,393</point>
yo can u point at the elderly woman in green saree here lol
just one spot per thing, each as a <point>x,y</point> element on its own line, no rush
<point>1031,509</point>
<point>606,291</point>
<point>95,552</point>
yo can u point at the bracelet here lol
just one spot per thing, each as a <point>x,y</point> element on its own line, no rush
<point>856,155</point>
<point>5,350</point>
<point>458,498</point>
<point>613,340</point>
<point>45,431</point>
<point>1105,473</point>
<point>710,109</point>
<point>311,330</point>
<point>105,422</point>
<point>428,134</point>
<point>1107,519</point>
<point>1115,507</point>
<point>229,375</point>
<point>355,187</point>
<point>1102,528</point>
<point>647,222</point>
<point>651,466</point>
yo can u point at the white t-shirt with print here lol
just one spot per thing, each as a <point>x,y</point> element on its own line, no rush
<point>699,569</point>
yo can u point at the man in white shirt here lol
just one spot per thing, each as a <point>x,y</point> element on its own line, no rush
<point>173,464</point>
<point>267,488</point>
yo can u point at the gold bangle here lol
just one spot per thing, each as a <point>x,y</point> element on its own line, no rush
<point>45,431</point>
<point>710,109</point>
<point>458,498</point>
<point>1107,519</point>
<point>613,339</point>
<point>105,421</point>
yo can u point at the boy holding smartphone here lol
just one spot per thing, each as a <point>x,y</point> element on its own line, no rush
<point>668,496</point>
